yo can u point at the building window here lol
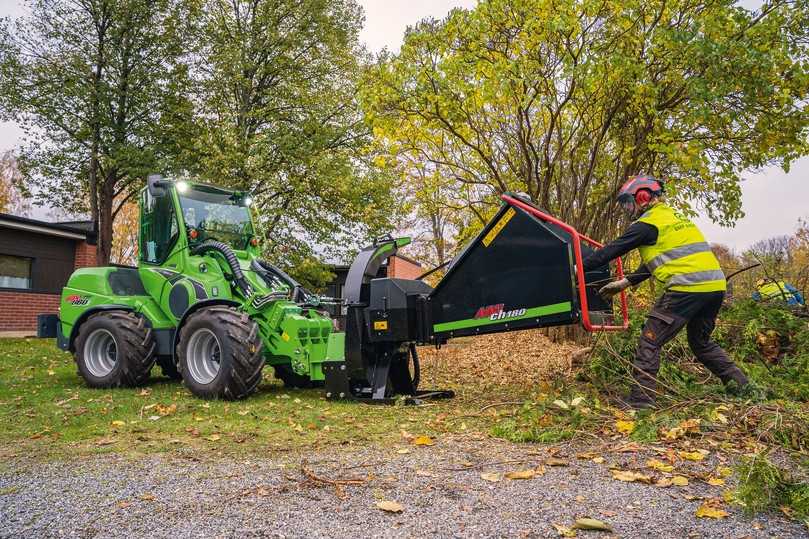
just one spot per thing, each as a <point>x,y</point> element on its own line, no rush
<point>15,272</point>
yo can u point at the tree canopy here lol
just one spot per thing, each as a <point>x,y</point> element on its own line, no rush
<point>249,94</point>
<point>275,85</point>
<point>98,87</point>
<point>564,100</point>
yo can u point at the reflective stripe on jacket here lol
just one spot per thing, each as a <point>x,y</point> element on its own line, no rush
<point>681,259</point>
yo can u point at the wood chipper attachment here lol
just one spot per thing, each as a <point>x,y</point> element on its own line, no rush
<point>524,270</point>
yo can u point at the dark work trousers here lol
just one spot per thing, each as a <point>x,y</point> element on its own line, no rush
<point>695,310</point>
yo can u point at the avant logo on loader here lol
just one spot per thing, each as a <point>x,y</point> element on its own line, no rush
<point>497,312</point>
<point>75,299</point>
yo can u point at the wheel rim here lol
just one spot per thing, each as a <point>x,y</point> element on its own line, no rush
<point>100,353</point>
<point>203,356</point>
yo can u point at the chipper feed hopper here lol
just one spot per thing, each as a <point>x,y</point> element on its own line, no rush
<point>206,308</point>
<point>524,270</point>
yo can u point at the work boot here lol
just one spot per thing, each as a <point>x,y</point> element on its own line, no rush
<point>748,391</point>
<point>631,402</point>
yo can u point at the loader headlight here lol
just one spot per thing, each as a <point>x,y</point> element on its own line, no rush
<point>182,187</point>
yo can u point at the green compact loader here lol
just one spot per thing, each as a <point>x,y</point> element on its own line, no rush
<point>205,307</point>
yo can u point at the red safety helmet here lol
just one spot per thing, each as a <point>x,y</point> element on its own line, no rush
<point>638,191</point>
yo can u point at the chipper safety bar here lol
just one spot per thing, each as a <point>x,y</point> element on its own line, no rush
<point>524,270</point>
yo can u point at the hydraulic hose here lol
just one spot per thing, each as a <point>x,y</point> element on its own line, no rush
<point>230,257</point>
<point>416,366</point>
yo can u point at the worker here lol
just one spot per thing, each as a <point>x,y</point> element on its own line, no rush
<point>675,253</point>
<point>770,289</point>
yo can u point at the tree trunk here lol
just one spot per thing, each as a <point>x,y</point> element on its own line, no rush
<point>104,248</point>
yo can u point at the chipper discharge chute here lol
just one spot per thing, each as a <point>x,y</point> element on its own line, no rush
<point>524,270</point>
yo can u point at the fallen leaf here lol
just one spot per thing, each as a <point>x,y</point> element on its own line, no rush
<point>553,461</point>
<point>723,471</point>
<point>521,474</point>
<point>630,476</point>
<point>213,438</point>
<point>624,427</point>
<point>663,482</point>
<point>389,506</point>
<point>788,511</point>
<point>118,423</point>
<point>164,410</point>
<point>598,460</point>
<point>423,440</point>
<point>561,404</point>
<point>147,497</point>
<point>124,504</point>
<point>491,477</point>
<point>403,451</point>
<point>659,465</point>
<point>691,455</point>
<point>709,510</point>
<point>716,481</point>
<point>154,417</point>
<point>591,524</point>
<point>577,402</point>
<point>679,481</point>
<point>104,441</point>
<point>564,531</point>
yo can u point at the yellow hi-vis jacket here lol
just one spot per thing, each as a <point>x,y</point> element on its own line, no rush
<point>772,290</point>
<point>681,259</point>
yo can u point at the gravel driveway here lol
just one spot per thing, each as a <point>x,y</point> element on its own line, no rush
<point>439,487</point>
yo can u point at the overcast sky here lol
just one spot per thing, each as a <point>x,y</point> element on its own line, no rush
<point>774,201</point>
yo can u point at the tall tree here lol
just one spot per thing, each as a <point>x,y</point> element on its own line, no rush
<point>12,200</point>
<point>563,100</point>
<point>98,86</point>
<point>276,82</point>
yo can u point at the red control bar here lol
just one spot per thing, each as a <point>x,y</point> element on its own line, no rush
<point>581,284</point>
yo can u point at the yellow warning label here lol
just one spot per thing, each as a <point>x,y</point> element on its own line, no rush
<point>381,325</point>
<point>501,224</point>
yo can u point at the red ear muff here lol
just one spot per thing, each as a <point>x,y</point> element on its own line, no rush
<point>643,197</point>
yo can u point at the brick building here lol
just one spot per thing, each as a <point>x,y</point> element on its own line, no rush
<point>36,260</point>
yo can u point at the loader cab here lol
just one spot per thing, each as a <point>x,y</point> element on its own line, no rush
<point>175,215</point>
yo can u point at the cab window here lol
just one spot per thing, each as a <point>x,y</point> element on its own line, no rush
<point>158,228</point>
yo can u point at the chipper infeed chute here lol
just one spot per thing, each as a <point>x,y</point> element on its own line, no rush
<point>522,271</point>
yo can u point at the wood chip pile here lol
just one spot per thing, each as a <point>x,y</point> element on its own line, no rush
<point>520,358</point>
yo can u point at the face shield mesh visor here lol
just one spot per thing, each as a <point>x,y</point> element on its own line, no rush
<point>627,202</point>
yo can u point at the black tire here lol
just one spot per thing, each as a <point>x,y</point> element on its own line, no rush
<point>237,353</point>
<point>169,368</point>
<point>293,380</point>
<point>122,334</point>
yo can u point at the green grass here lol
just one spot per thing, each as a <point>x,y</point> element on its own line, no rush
<point>46,409</point>
<point>765,486</point>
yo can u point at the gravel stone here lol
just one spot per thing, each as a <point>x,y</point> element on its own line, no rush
<point>191,495</point>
